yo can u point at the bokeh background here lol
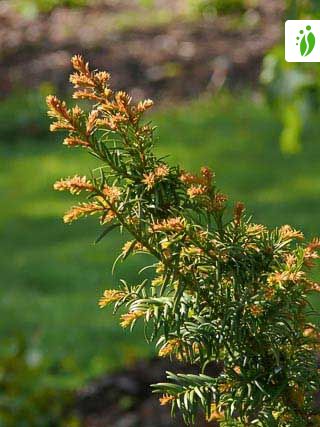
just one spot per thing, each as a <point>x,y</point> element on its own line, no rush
<point>224,98</point>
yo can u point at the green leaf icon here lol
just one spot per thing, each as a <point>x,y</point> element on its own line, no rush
<point>307,44</point>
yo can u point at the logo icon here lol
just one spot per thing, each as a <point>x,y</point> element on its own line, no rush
<point>302,41</point>
<point>306,40</point>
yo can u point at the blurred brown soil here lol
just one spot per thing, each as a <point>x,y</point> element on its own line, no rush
<point>173,60</point>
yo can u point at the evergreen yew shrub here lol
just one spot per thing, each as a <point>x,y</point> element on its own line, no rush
<point>224,290</point>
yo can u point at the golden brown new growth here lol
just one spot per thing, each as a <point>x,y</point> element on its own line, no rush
<point>201,189</point>
<point>75,185</point>
<point>84,78</point>
<point>288,233</point>
<point>160,172</point>
<point>133,246</point>
<point>314,244</point>
<point>198,185</point>
<point>73,141</point>
<point>283,277</point>
<point>64,117</point>
<point>112,193</point>
<point>170,225</point>
<point>149,179</point>
<point>256,229</point>
<point>83,209</point>
<point>117,106</point>
<point>216,414</point>
<point>218,203</point>
<point>310,256</point>
<point>290,260</point>
<point>170,347</point>
<point>91,122</point>
<point>128,318</point>
<point>238,212</point>
<point>110,296</point>
<point>195,191</point>
<point>256,310</point>
<point>58,109</point>
<point>204,179</point>
<point>166,399</point>
<point>113,110</point>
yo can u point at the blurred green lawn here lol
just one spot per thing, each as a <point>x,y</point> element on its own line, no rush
<point>52,274</point>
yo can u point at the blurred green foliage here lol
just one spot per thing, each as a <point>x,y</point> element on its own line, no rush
<point>28,395</point>
<point>292,89</point>
<point>198,8</point>
<point>27,117</point>
<point>218,7</point>
<point>30,8</point>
